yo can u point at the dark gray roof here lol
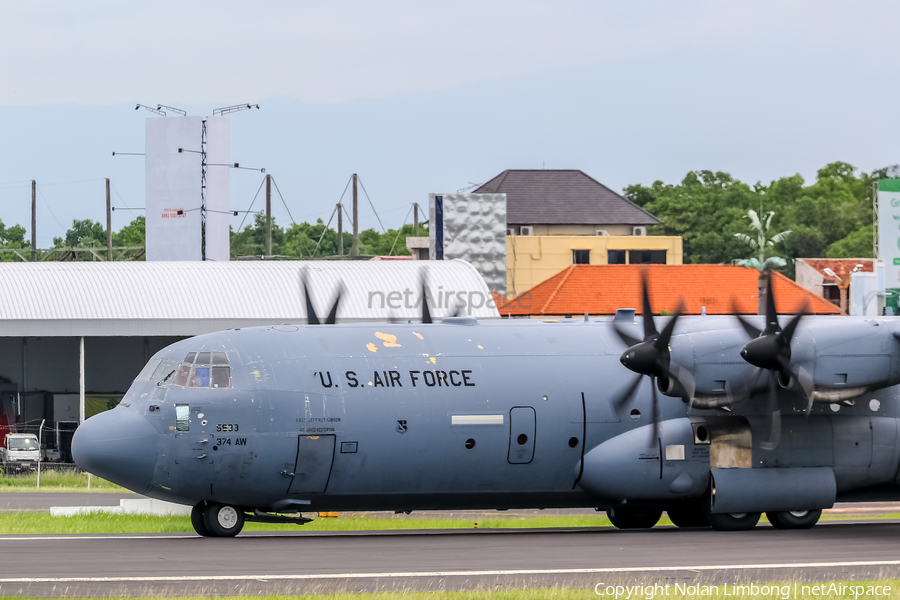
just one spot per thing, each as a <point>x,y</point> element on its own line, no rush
<point>562,196</point>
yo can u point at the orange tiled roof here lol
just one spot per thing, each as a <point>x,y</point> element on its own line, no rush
<point>601,289</point>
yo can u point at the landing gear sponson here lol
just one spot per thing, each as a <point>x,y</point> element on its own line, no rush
<point>695,516</point>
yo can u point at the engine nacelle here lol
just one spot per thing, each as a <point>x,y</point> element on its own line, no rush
<point>843,357</point>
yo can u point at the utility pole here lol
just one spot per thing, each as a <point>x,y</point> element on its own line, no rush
<point>354,250</point>
<point>416,219</point>
<point>340,209</point>
<point>33,220</point>
<point>268,215</point>
<point>108,224</point>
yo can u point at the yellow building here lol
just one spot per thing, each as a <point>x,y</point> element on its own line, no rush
<point>532,259</point>
<point>559,217</point>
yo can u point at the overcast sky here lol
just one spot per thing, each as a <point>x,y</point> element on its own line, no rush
<point>422,97</point>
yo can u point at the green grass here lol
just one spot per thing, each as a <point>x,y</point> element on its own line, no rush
<point>53,481</point>
<point>583,594</point>
<point>25,523</point>
<point>34,522</point>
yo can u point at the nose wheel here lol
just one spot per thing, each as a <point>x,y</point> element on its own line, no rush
<point>217,520</point>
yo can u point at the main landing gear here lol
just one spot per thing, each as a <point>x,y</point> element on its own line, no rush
<point>698,515</point>
<point>217,520</point>
<point>633,518</point>
<point>688,515</point>
<point>794,519</point>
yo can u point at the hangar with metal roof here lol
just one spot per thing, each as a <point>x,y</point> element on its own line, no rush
<point>74,335</point>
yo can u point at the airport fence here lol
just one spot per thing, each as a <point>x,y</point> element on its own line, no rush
<point>12,469</point>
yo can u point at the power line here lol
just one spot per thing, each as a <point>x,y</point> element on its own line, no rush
<point>47,205</point>
<point>383,230</point>
<point>399,231</point>
<point>282,200</point>
<point>241,226</point>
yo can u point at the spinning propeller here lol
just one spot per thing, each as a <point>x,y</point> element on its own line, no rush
<point>650,357</point>
<point>313,319</point>
<point>770,349</point>
<point>311,312</point>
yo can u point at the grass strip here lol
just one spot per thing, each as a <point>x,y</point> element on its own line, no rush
<point>746,591</point>
<point>57,481</point>
<point>29,523</point>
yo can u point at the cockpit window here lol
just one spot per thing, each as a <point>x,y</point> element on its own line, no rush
<point>147,371</point>
<point>199,377</point>
<point>204,370</point>
<point>221,377</point>
<point>181,375</point>
<point>163,370</point>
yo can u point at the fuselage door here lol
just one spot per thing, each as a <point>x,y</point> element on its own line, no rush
<point>521,435</point>
<point>315,455</point>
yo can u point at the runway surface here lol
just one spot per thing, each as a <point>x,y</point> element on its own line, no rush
<point>253,563</point>
<point>42,501</point>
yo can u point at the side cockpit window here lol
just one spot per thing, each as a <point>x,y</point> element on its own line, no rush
<point>161,371</point>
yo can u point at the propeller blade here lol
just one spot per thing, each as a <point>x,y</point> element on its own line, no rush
<point>655,414</point>
<point>332,315</point>
<point>751,330</point>
<point>772,325</point>
<point>311,317</point>
<point>774,416</point>
<point>649,325</point>
<point>662,342</point>
<point>804,380</point>
<point>627,339</point>
<point>426,314</point>
<point>788,332</point>
<point>684,379</point>
<point>622,400</point>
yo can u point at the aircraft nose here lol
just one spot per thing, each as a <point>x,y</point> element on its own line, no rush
<point>118,445</point>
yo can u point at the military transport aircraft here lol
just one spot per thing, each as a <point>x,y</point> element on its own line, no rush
<point>722,419</point>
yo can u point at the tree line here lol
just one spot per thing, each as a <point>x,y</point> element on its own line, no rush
<point>831,217</point>
<point>300,240</point>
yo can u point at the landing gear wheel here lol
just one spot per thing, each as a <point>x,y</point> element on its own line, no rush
<point>197,519</point>
<point>634,518</point>
<point>733,521</point>
<point>222,520</point>
<point>688,515</point>
<point>794,519</point>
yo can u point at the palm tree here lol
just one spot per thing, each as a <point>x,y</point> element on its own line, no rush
<point>761,244</point>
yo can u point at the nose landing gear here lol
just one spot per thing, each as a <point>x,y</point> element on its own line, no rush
<point>217,520</point>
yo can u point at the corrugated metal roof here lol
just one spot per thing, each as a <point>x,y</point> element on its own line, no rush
<point>188,298</point>
<point>562,196</point>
